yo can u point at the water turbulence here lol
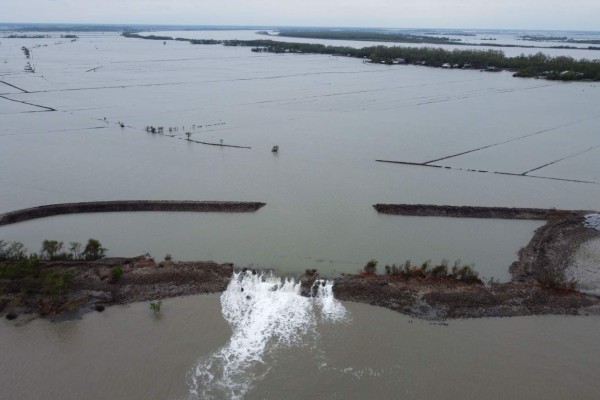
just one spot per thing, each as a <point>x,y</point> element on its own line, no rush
<point>592,221</point>
<point>265,313</point>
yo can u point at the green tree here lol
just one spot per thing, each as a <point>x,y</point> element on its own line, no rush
<point>56,283</point>
<point>3,250</point>
<point>50,249</point>
<point>371,267</point>
<point>16,251</point>
<point>116,273</point>
<point>93,250</point>
<point>75,249</point>
<point>155,306</point>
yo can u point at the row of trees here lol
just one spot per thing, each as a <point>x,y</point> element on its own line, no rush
<point>564,39</point>
<point>534,65</point>
<point>53,250</point>
<point>413,38</point>
<point>465,273</point>
<point>540,64</point>
<point>367,36</point>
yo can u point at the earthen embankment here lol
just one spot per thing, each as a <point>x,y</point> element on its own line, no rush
<point>426,210</point>
<point>127,206</point>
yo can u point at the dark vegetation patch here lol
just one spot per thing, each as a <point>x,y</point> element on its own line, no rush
<point>54,282</point>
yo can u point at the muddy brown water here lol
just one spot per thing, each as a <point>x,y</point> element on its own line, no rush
<point>129,353</point>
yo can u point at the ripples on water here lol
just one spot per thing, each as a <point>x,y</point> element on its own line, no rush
<point>265,313</point>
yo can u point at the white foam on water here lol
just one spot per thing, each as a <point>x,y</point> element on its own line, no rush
<point>585,267</point>
<point>592,221</point>
<point>265,313</point>
<point>331,309</point>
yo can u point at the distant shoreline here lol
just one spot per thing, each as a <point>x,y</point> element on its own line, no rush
<point>413,38</point>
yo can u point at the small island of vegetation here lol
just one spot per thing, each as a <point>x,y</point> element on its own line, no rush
<point>562,39</point>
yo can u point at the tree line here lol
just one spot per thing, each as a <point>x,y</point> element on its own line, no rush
<point>53,250</point>
<point>535,65</point>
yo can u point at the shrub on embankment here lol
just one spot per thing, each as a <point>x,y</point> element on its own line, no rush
<point>464,273</point>
<point>553,279</point>
<point>26,279</point>
<point>370,267</point>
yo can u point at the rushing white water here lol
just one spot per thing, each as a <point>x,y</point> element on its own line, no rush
<point>592,221</point>
<point>265,313</point>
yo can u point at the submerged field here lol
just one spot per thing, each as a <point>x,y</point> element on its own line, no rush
<point>332,118</point>
<point>61,141</point>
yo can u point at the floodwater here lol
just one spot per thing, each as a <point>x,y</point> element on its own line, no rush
<point>332,117</point>
<point>131,353</point>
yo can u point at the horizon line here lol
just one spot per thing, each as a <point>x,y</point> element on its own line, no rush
<point>254,26</point>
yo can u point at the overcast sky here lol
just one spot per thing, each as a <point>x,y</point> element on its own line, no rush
<point>503,14</point>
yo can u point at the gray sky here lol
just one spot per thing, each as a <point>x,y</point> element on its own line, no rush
<point>504,14</point>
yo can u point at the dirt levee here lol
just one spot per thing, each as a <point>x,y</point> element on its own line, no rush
<point>127,206</point>
<point>425,210</point>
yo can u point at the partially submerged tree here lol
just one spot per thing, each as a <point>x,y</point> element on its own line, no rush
<point>155,306</point>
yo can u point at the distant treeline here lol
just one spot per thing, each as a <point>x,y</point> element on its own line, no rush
<point>542,38</point>
<point>367,36</point>
<point>15,36</point>
<point>165,38</point>
<point>536,65</point>
<point>450,33</point>
<point>412,38</point>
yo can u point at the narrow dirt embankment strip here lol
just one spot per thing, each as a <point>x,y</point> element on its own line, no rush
<point>425,210</point>
<point>29,104</point>
<point>521,175</point>
<point>13,86</point>
<point>218,144</point>
<point>127,206</point>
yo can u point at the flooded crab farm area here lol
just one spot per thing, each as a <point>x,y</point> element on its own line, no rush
<point>75,127</point>
<point>331,117</point>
